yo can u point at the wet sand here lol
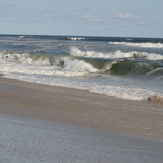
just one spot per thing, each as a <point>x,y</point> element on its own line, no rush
<point>41,123</point>
<point>80,107</point>
<point>31,140</point>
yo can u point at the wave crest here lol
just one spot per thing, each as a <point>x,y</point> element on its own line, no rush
<point>72,38</point>
<point>74,51</point>
<point>40,64</point>
<point>144,45</point>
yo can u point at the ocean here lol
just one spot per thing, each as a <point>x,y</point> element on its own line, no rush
<point>128,68</point>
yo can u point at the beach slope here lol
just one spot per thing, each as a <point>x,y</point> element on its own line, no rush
<point>81,107</point>
<point>41,123</point>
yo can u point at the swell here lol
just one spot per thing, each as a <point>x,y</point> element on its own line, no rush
<point>89,38</point>
<point>86,38</point>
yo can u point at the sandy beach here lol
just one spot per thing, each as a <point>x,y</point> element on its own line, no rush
<point>72,109</point>
<point>80,107</point>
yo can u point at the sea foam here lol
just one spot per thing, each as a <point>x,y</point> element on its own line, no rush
<point>145,45</point>
<point>74,51</point>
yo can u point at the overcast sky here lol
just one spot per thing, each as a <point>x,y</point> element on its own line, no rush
<point>120,18</point>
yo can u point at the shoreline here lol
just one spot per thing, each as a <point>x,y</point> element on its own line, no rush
<point>80,108</point>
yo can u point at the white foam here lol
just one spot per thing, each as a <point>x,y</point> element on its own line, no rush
<point>145,45</point>
<point>75,38</point>
<point>74,51</point>
<point>79,65</point>
<point>22,63</point>
<point>22,36</point>
<point>151,56</point>
<point>128,92</point>
<point>40,71</point>
<point>14,56</point>
<point>120,91</point>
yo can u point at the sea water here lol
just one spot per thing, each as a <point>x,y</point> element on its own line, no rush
<point>129,68</point>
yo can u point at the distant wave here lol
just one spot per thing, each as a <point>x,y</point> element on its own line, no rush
<point>75,38</point>
<point>145,45</point>
<point>27,36</point>
<point>72,38</point>
<point>22,36</point>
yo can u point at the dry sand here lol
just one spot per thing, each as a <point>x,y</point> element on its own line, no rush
<point>81,107</point>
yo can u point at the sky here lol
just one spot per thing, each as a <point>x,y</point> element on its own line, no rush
<point>110,18</point>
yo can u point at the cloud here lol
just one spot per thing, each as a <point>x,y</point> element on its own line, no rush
<point>23,20</point>
<point>90,18</point>
<point>78,17</point>
<point>50,18</point>
<point>14,19</point>
<point>130,19</point>
<point>125,16</point>
<point>144,22</point>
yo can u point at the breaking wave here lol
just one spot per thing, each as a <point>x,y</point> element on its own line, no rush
<point>72,38</point>
<point>75,38</point>
<point>130,67</point>
<point>80,63</point>
<point>45,64</point>
<point>74,51</point>
<point>144,45</point>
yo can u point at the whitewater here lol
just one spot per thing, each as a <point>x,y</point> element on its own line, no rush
<point>129,68</point>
